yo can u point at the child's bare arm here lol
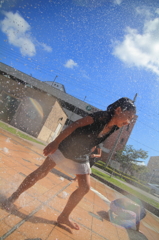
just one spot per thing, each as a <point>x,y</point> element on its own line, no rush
<point>52,147</point>
<point>97,155</point>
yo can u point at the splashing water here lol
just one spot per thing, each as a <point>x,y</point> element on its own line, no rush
<point>61,178</point>
<point>63,195</point>
<point>39,159</point>
<point>5,150</point>
<point>8,140</point>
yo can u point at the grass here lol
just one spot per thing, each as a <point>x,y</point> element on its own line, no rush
<point>18,133</point>
<point>120,176</point>
<point>126,188</point>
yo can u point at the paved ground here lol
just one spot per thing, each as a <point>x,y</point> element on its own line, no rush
<point>34,214</point>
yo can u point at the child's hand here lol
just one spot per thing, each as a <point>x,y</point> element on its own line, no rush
<point>50,148</point>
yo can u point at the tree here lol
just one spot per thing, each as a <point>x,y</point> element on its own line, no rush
<point>129,157</point>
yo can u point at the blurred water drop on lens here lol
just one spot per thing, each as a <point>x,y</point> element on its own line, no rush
<point>5,150</point>
<point>61,178</point>
<point>63,195</point>
<point>8,140</point>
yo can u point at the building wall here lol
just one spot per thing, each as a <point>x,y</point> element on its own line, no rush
<point>25,107</point>
<point>63,97</point>
<point>54,124</point>
<point>117,141</point>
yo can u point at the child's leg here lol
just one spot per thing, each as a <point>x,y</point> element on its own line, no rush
<point>74,199</point>
<point>30,180</point>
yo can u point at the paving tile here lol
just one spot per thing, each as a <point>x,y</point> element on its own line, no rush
<point>26,206</point>
<point>82,217</point>
<point>4,173</point>
<point>10,163</point>
<point>4,228</point>
<point>122,233</point>
<point>57,235</point>
<point>90,196</point>
<point>58,203</point>
<point>46,215</point>
<point>3,182</point>
<point>83,233</point>
<point>50,193</point>
<point>37,190</point>
<point>3,214</point>
<point>35,230</point>
<point>12,220</point>
<point>45,182</point>
<point>86,205</point>
<point>16,236</point>
<point>149,232</point>
<point>98,237</point>
<point>99,202</point>
<point>10,172</point>
<point>105,229</point>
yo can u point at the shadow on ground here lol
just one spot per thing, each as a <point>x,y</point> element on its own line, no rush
<point>133,235</point>
<point>29,218</point>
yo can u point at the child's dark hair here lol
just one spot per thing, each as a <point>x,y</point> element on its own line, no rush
<point>126,104</point>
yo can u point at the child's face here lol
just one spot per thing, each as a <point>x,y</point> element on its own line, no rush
<point>123,118</point>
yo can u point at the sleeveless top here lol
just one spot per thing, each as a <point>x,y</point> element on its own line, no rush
<point>83,139</point>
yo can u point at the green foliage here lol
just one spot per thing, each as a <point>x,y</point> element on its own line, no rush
<point>129,157</point>
<point>129,154</point>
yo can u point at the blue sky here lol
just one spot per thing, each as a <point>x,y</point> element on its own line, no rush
<point>100,50</point>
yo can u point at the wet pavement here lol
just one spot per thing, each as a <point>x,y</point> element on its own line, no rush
<point>34,214</point>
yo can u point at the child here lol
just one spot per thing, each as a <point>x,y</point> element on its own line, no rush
<point>73,144</point>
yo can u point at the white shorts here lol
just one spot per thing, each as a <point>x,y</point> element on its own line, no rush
<point>68,165</point>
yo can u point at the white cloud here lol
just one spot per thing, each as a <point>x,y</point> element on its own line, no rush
<point>45,47</point>
<point>70,64</point>
<point>157,11</point>
<point>144,11</point>
<point>19,35</point>
<point>118,2</point>
<point>140,50</point>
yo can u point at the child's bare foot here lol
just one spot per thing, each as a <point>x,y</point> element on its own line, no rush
<point>66,221</point>
<point>7,205</point>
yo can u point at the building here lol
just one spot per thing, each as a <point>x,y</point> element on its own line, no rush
<point>29,108</point>
<point>41,110</point>
<point>56,85</point>
<point>153,167</point>
<point>34,106</point>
